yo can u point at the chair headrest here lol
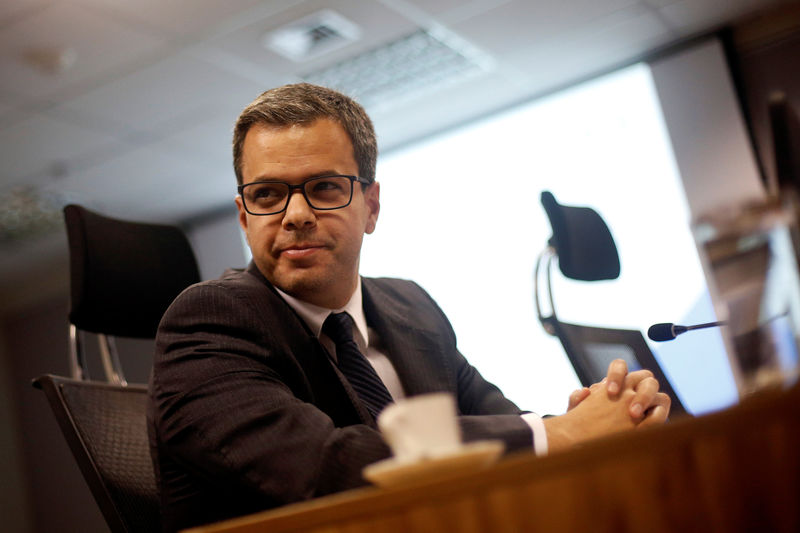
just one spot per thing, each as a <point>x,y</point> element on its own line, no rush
<point>584,245</point>
<point>124,274</point>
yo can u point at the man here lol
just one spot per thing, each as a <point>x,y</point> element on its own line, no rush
<point>254,400</point>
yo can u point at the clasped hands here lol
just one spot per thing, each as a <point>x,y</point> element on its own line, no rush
<point>621,401</point>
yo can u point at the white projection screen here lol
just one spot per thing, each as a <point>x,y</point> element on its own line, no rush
<point>460,214</point>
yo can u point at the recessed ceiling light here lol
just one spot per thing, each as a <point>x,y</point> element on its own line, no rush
<point>312,36</point>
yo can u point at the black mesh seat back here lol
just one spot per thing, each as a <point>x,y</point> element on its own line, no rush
<point>110,443</point>
<point>124,274</point>
<point>585,247</point>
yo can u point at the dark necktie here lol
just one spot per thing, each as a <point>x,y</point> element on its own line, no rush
<point>355,367</point>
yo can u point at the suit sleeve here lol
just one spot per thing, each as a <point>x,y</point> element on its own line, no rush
<point>486,412</point>
<point>229,405</point>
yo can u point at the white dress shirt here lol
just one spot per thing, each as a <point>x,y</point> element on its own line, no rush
<point>366,338</point>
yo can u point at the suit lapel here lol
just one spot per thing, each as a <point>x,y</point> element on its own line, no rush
<point>329,389</point>
<point>414,349</point>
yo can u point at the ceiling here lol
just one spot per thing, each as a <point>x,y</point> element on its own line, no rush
<point>127,106</point>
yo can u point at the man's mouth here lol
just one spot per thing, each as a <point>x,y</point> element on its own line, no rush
<point>300,251</point>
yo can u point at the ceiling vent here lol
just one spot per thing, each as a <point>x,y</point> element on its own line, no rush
<point>312,36</point>
<point>416,65</point>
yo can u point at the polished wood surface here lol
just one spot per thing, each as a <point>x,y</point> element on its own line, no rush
<point>736,470</point>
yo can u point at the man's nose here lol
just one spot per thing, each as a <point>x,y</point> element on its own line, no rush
<point>298,213</point>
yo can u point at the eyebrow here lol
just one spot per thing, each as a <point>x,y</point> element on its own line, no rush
<point>320,174</point>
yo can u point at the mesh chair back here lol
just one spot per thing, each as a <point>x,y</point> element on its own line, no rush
<point>105,427</point>
<point>124,274</point>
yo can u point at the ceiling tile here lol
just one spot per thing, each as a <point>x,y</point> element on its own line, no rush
<point>448,11</point>
<point>690,16</point>
<point>615,38</point>
<point>205,194</point>
<point>35,146</point>
<point>434,7</point>
<point>5,108</point>
<point>9,113</point>
<point>661,3</point>
<point>100,44</point>
<point>450,108</point>
<point>378,24</point>
<point>207,145</point>
<point>514,28</point>
<point>129,185</point>
<point>172,89</point>
<point>12,9</point>
<point>181,17</point>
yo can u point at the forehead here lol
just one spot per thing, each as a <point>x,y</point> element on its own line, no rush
<point>297,151</point>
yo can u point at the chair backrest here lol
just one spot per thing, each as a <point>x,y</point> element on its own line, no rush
<point>591,350</point>
<point>123,277</point>
<point>124,274</point>
<point>582,241</point>
<point>106,429</point>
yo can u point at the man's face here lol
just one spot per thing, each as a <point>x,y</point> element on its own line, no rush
<point>309,254</point>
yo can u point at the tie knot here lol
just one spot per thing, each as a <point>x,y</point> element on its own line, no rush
<point>339,327</point>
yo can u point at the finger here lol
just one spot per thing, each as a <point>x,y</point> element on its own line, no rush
<point>577,397</point>
<point>634,378</point>
<point>645,395</point>
<point>616,375</point>
<point>658,412</point>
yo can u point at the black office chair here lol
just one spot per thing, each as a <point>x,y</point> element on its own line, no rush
<point>106,430</point>
<point>124,275</point>
<point>586,251</point>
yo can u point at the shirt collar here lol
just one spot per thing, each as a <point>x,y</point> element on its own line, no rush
<point>314,315</point>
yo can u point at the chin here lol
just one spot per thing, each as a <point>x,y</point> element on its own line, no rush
<point>301,284</point>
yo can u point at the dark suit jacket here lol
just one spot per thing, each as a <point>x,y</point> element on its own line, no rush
<point>248,412</point>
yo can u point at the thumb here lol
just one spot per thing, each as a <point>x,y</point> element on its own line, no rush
<point>577,397</point>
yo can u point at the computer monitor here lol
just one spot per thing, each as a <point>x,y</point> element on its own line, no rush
<point>591,350</point>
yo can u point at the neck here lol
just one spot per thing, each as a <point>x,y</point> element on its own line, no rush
<point>329,300</point>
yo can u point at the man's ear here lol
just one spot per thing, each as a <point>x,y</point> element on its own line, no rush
<point>372,198</point>
<point>242,214</point>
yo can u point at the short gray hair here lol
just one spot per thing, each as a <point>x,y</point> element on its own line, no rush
<point>302,104</point>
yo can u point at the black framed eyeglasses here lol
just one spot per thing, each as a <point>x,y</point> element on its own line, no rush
<point>323,193</point>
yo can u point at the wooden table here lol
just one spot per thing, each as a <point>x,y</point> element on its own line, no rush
<point>736,470</point>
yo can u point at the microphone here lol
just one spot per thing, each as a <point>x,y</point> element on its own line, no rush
<point>668,331</point>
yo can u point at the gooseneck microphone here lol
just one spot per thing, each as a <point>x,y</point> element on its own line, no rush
<point>668,331</point>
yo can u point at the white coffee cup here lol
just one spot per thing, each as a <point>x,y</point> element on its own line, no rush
<point>421,427</point>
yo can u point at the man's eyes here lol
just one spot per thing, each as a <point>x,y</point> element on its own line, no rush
<point>268,192</point>
<point>272,191</point>
<point>326,185</point>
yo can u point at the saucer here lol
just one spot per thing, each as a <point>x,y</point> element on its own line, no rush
<point>471,456</point>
